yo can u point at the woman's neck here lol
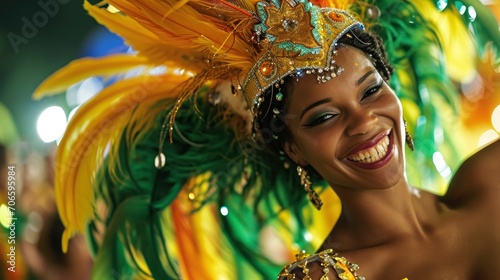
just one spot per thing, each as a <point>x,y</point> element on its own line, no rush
<point>375,217</point>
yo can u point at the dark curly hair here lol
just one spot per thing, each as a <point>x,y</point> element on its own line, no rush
<point>271,115</point>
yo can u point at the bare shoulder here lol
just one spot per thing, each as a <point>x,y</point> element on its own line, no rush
<point>477,181</point>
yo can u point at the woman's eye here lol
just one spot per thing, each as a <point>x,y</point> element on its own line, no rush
<point>320,119</point>
<point>372,90</point>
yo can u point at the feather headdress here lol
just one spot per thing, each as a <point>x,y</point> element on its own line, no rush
<point>214,40</point>
<point>205,212</point>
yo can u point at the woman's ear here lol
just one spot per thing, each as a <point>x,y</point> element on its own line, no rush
<point>293,153</point>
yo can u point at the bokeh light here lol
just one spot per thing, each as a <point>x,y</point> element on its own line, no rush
<point>224,211</point>
<point>488,136</point>
<point>442,4</point>
<point>51,124</point>
<point>460,7</point>
<point>441,165</point>
<point>472,13</point>
<point>495,118</point>
<point>5,216</point>
<point>79,93</point>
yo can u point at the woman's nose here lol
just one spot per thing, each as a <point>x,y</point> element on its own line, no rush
<point>360,121</point>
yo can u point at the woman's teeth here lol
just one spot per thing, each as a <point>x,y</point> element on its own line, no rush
<point>372,154</point>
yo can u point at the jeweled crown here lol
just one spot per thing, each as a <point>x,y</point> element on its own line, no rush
<point>290,46</point>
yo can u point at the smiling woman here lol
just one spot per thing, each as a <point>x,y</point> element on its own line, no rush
<point>187,170</point>
<point>350,131</point>
<point>353,115</point>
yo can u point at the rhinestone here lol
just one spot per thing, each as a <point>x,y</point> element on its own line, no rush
<point>267,69</point>
<point>320,70</point>
<point>308,71</point>
<point>276,111</point>
<point>335,16</point>
<point>353,266</point>
<point>279,96</point>
<point>289,24</point>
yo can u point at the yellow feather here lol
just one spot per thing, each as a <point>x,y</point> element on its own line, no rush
<point>142,40</point>
<point>83,68</point>
<point>122,25</point>
<point>210,246</point>
<point>339,4</point>
<point>184,27</point>
<point>95,125</point>
<point>456,40</point>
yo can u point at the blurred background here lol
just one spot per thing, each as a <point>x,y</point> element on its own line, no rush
<point>39,37</point>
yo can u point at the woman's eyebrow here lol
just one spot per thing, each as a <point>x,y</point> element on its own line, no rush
<point>317,103</point>
<point>358,82</point>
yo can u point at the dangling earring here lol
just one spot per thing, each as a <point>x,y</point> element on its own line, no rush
<point>306,182</point>
<point>409,139</point>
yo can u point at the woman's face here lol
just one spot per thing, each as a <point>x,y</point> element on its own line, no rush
<point>350,128</point>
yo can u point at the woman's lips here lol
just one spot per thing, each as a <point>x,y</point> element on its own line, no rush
<point>373,154</point>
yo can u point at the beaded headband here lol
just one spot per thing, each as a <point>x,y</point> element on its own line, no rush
<point>296,38</point>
